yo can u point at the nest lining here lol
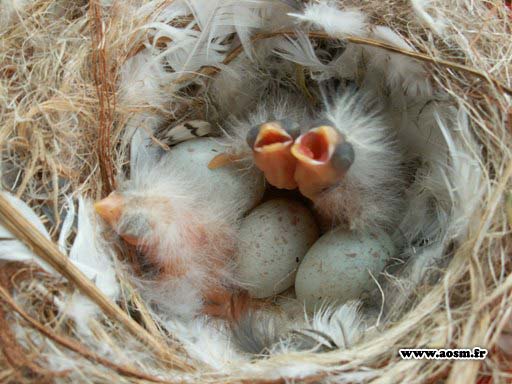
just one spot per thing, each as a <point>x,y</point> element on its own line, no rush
<point>448,310</point>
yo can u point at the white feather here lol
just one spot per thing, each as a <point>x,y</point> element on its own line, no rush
<point>403,283</point>
<point>202,42</point>
<point>463,177</point>
<point>142,85</point>
<point>141,82</point>
<point>441,204</point>
<point>95,258</point>
<point>246,20</point>
<point>88,253</point>
<point>207,341</point>
<point>218,19</point>
<point>333,21</point>
<point>138,131</point>
<point>427,212</point>
<point>427,13</point>
<point>9,9</point>
<point>67,225</point>
<point>179,299</point>
<point>418,131</point>
<point>91,251</point>
<point>185,48</point>
<point>188,130</point>
<point>401,72</point>
<point>331,326</point>
<point>12,249</point>
<point>342,324</point>
<point>301,51</point>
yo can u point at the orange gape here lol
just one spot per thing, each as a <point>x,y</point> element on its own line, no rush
<point>271,152</point>
<point>316,154</point>
<point>313,162</point>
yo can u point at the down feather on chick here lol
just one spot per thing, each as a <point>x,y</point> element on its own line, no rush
<point>344,158</point>
<point>182,218</point>
<point>367,180</point>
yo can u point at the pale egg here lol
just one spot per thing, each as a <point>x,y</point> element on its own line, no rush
<point>274,238</point>
<point>340,265</point>
<point>232,184</point>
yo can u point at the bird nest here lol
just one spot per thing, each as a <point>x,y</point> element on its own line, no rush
<point>79,79</point>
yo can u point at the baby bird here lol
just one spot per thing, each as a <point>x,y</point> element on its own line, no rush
<point>346,161</point>
<point>184,231</point>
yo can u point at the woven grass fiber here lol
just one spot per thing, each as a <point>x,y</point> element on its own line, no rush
<point>67,112</point>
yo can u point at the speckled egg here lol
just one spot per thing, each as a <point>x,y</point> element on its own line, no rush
<point>228,183</point>
<point>338,266</point>
<point>274,238</point>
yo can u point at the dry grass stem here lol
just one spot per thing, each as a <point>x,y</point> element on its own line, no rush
<point>48,251</point>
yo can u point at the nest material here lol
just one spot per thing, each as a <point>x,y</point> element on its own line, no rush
<point>63,131</point>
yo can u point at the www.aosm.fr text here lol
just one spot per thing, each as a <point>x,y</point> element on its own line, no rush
<point>443,354</point>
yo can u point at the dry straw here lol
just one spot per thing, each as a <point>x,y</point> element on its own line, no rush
<point>60,129</point>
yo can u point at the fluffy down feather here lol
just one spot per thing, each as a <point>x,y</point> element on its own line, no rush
<point>184,229</point>
<point>440,204</point>
<point>11,249</point>
<point>342,325</point>
<point>95,259</point>
<point>142,79</point>
<point>146,78</point>
<point>200,43</point>
<point>208,341</point>
<point>89,253</point>
<point>401,72</point>
<point>370,193</point>
<point>9,9</point>
<point>463,175</point>
<point>271,332</point>
<point>302,52</point>
<point>427,13</point>
<point>324,14</point>
<point>177,208</point>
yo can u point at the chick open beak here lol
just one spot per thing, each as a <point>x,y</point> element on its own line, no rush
<point>271,143</point>
<point>323,158</point>
<point>111,209</point>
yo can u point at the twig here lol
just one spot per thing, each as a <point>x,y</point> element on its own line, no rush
<point>74,346</point>
<point>15,354</point>
<point>20,227</point>
<point>146,318</point>
<point>105,90</point>
<point>210,71</point>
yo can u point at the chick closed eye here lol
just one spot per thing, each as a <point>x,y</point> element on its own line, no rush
<point>271,143</point>
<point>323,157</point>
